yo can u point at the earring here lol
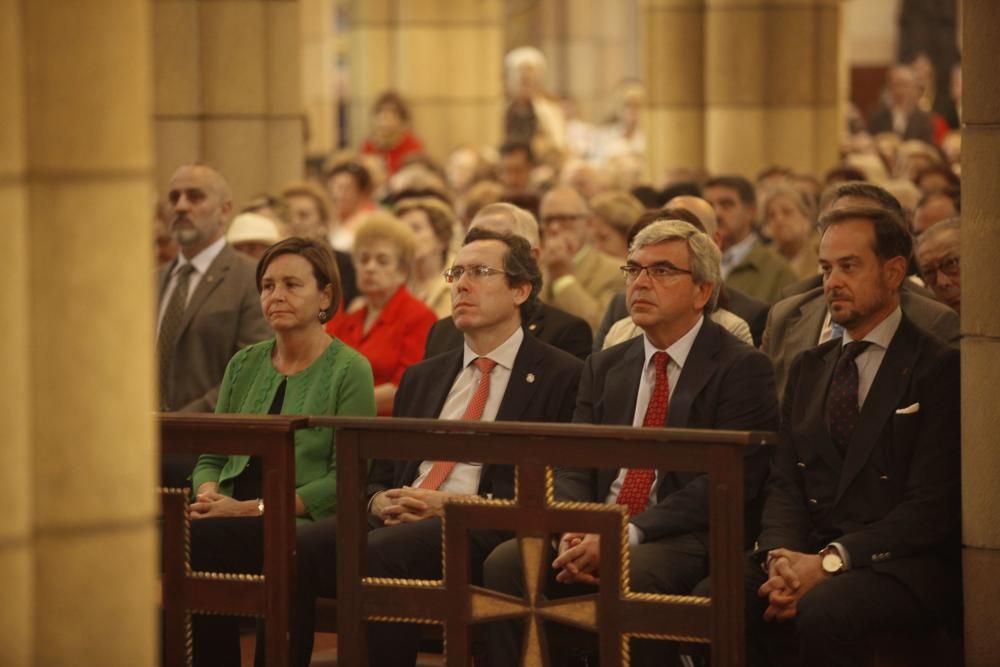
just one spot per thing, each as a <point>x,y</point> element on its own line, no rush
<point>323,317</point>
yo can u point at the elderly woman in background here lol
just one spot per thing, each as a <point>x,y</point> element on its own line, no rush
<point>301,371</point>
<point>614,214</point>
<point>252,234</point>
<point>433,225</point>
<point>789,219</point>
<point>391,326</point>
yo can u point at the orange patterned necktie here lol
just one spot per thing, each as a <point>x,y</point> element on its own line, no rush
<point>638,481</point>
<point>473,412</point>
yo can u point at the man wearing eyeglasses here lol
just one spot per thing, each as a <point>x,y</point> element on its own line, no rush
<point>499,374</point>
<point>938,259</point>
<point>685,371</point>
<point>578,278</point>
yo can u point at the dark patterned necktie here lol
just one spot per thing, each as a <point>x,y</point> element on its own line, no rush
<point>634,493</point>
<point>842,399</point>
<point>169,328</point>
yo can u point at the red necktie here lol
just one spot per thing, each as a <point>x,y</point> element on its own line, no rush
<point>473,412</point>
<point>634,493</point>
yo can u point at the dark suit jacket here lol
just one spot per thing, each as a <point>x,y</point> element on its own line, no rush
<point>893,502</point>
<point>223,316</point>
<point>725,384</point>
<point>548,397</point>
<point>794,325</point>
<point>751,310</point>
<point>920,124</point>
<point>556,327</point>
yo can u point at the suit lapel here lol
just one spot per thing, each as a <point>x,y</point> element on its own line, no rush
<point>820,364</point>
<point>699,367</point>
<point>165,279</point>
<point>521,389</point>
<point>891,383</point>
<point>216,273</point>
<point>804,330</point>
<point>621,384</point>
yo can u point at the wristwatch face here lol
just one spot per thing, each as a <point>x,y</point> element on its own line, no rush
<point>832,562</point>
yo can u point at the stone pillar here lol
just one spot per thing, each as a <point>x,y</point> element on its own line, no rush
<point>319,75</point>
<point>79,378</point>
<point>228,90</point>
<point>771,84</point>
<point>16,548</point>
<point>673,43</point>
<point>445,57</point>
<point>980,331</point>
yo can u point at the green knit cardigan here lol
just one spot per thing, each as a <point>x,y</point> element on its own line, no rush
<point>339,382</point>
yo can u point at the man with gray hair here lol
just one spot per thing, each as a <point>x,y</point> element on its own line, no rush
<point>938,251</point>
<point>685,371</point>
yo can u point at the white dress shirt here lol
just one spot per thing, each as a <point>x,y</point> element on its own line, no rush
<point>870,360</point>
<point>678,353</point>
<point>464,477</point>
<point>200,262</point>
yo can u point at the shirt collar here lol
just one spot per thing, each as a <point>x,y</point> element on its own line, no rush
<point>504,354</point>
<point>679,351</point>
<point>737,252</point>
<point>883,332</point>
<point>581,254</point>
<point>203,259</point>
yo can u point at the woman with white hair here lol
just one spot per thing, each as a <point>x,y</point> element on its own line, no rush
<point>532,117</point>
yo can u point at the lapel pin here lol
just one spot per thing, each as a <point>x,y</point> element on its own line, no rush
<point>530,378</point>
<point>532,327</point>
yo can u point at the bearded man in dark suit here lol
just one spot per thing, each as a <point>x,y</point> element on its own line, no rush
<point>861,525</point>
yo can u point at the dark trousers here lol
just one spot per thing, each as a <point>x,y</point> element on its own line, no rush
<point>407,551</point>
<point>670,566</point>
<point>833,618</point>
<point>232,544</point>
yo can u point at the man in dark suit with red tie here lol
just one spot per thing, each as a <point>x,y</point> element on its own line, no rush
<point>861,527</point>
<point>685,371</point>
<point>499,374</point>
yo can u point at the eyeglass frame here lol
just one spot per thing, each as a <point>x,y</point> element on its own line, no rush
<point>477,272</point>
<point>672,271</point>
<point>954,270</point>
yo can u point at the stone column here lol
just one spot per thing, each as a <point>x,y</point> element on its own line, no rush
<point>228,90</point>
<point>82,333</point>
<point>445,57</point>
<point>319,55</point>
<point>771,84</point>
<point>673,43</point>
<point>980,331</point>
<point>16,548</point>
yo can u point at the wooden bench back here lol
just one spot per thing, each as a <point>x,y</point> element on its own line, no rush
<point>614,612</point>
<point>271,438</point>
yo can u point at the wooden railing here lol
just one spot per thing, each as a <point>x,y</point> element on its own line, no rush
<point>615,613</point>
<point>267,596</point>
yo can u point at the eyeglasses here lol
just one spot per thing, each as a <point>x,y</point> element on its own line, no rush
<point>476,273</point>
<point>661,271</point>
<point>949,266</point>
<point>561,218</point>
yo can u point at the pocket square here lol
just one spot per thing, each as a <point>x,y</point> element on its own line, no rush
<point>909,409</point>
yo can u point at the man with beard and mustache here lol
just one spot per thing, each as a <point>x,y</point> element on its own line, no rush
<point>685,371</point>
<point>208,302</point>
<point>861,526</point>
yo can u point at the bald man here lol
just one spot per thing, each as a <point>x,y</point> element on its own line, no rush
<point>578,278</point>
<point>549,324</point>
<point>209,307</point>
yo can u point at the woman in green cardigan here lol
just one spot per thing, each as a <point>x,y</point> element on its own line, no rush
<point>301,371</point>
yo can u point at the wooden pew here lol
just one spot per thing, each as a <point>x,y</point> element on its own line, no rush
<point>615,613</point>
<point>267,596</point>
